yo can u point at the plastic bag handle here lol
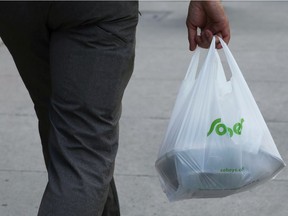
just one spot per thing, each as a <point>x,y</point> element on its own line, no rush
<point>190,76</point>
<point>235,70</point>
<point>193,66</point>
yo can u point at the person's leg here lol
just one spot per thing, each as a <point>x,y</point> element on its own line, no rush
<point>23,31</point>
<point>112,207</point>
<point>91,63</point>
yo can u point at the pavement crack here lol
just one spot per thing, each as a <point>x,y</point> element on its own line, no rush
<point>22,171</point>
<point>280,180</point>
<point>18,114</point>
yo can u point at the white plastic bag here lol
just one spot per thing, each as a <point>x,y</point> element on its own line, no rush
<point>217,142</point>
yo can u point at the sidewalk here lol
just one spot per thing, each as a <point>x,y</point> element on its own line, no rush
<point>260,47</point>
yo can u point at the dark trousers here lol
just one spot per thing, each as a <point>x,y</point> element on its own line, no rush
<point>75,59</point>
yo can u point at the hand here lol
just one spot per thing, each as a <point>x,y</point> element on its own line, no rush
<point>210,17</point>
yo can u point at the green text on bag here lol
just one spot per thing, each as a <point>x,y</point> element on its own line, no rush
<point>222,129</point>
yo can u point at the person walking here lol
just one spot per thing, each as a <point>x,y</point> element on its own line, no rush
<point>75,59</point>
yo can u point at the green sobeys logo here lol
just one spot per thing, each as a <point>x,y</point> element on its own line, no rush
<point>222,129</point>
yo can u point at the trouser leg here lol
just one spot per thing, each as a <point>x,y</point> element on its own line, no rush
<point>23,32</point>
<point>88,68</point>
<point>111,207</point>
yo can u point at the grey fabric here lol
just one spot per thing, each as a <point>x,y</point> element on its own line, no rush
<point>75,59</point>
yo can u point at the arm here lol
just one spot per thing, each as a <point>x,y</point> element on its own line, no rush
<point>210,17</point>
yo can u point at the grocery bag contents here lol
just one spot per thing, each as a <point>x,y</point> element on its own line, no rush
<point>185,178</point>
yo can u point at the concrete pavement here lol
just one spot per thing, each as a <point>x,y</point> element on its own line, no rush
<point>260,46</point>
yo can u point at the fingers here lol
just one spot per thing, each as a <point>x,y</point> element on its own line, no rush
<point>226,36</point>
<point>218,44</point>
<point>204,39</point>
<point>192,34</point>
<point>210,17</point>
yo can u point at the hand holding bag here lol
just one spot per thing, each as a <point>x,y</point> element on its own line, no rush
<point>217,142</point>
